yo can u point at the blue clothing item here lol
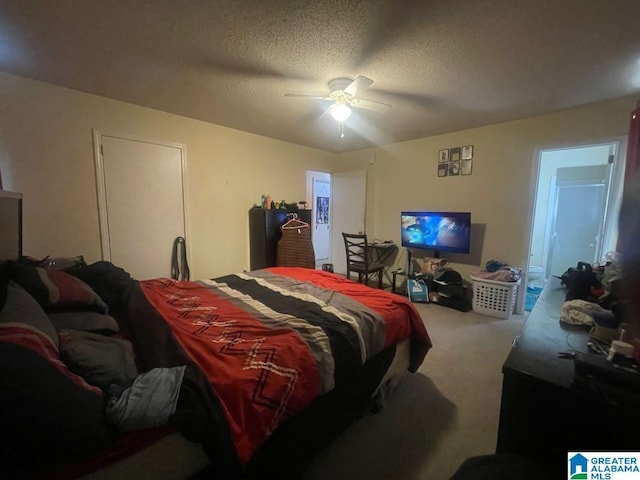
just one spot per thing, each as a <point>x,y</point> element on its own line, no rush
<point>148,402</point>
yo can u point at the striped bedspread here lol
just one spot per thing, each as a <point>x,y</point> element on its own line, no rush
<point>271,341</point>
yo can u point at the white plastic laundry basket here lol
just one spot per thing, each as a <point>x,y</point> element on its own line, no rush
<point>494,298</point>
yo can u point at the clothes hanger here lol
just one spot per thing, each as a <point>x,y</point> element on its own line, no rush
<point>294,223</point>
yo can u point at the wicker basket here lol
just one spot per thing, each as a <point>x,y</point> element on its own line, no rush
<point>494,298</point>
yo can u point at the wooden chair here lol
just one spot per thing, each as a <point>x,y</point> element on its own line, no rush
<point>357,249</point>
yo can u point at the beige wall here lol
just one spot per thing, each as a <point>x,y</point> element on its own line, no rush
<point>46,153</point>
<point>499,193</point>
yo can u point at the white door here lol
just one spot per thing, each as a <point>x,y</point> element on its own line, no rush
<point>141,203</point>
<point>348,209</point>
<point>321,219</point>
<point>578,222</point>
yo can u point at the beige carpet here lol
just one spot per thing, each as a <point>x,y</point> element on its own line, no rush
<point>437,417</point>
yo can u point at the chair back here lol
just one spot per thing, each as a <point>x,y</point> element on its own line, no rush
<point>356,247</point>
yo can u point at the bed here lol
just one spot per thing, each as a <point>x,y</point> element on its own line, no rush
<point>242,376</point>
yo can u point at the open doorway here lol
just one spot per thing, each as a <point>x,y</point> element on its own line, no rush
<point>575,217</point>
<point>338,201</point>
<point>319,200</point>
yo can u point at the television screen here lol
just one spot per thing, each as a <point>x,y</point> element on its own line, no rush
<point>439,231</point>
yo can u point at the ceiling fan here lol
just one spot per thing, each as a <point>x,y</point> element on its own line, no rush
<point>343,93</point>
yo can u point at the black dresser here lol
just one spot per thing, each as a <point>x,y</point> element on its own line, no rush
<point>264,233</point>
<point>544,413</point>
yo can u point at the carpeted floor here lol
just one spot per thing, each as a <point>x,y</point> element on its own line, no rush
<point>446,412</point>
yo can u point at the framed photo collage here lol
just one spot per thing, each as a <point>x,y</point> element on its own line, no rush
<point>455,161</point>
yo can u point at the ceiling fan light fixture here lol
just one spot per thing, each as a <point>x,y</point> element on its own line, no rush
<point>340,112</point>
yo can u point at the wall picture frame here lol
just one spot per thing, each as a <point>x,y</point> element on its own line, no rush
<point>454,154</point>
<point>443,156</point>
<point>465,167</point>
<point>322,210</point>
<point>467,152</point>
<point>443,168</point>
<point>454,168</point>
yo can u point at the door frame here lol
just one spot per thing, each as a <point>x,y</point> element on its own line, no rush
<point>615,194</point>
<point>102,193</point>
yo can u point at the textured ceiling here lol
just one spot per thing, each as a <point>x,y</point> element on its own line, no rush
<point>444,65</point>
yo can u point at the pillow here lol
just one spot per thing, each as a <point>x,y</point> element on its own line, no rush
<point>100,360</point>
<point>108,281</point>
<point>21,309</point>
<point>56,290</point>
<point>48,415</point>
<point>85,321</point>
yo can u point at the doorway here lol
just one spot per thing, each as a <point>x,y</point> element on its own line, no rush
<point>319,196</point>
<point>345,212</point>
<point>575,215</point>
<point>141,202</point>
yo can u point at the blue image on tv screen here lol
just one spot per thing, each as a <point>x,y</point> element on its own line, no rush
<point>439,231</point>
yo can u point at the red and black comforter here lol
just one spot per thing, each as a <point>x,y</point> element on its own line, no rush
<point>263,346</point>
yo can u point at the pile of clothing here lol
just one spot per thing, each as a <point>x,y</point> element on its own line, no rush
<point>499,272</point>
<point>592,300</point>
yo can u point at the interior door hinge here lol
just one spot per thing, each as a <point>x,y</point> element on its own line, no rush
<point>101,150</point>
<point>611,158</point>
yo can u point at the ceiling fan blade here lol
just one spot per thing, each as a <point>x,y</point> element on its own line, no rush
<point>319,97</point>
<point>359,84</point>
<point>370,105</point>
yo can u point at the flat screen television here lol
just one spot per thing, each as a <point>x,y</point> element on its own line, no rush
<point>437,231</point>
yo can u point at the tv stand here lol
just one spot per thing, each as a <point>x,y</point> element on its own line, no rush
<point>452,296</point>
<point>436,254</point>
<point>394,280</point>
<point>447,295</point>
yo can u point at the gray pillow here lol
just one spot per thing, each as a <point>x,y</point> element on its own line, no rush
<point>20,307</point>
<point>100,360</point>
<point>86,321</point>
<point>55,290</point>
